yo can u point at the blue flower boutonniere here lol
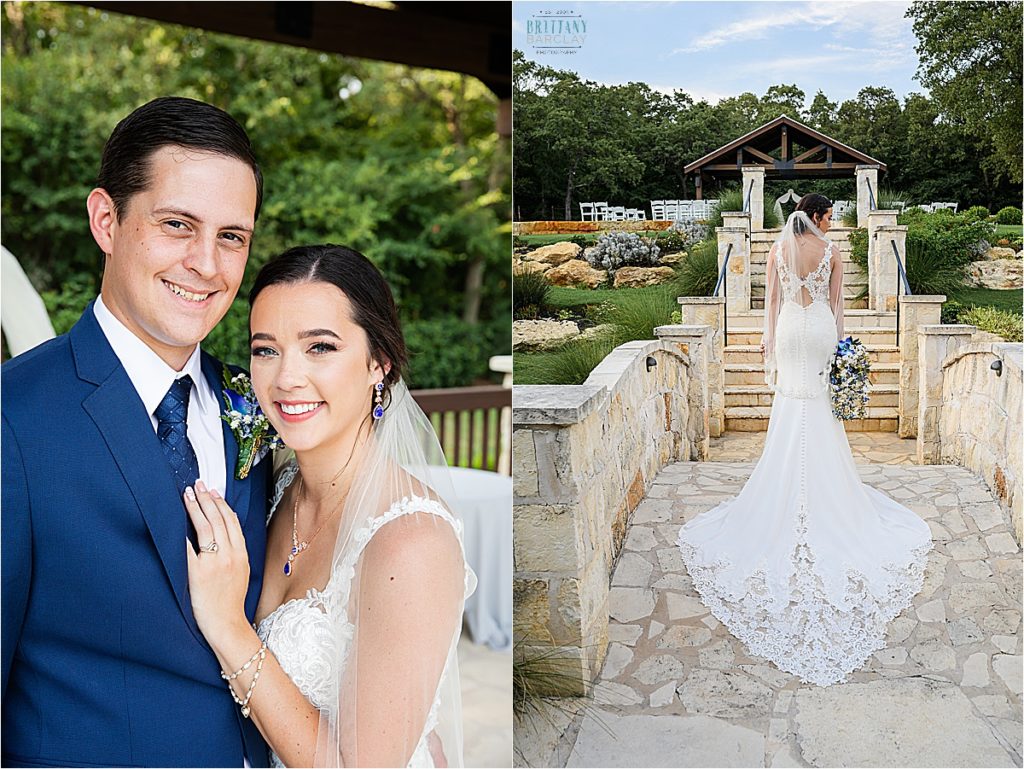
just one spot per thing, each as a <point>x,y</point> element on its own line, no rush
<point>252,429</point>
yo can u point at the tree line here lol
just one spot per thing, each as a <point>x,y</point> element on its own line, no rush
<point>576,140</point>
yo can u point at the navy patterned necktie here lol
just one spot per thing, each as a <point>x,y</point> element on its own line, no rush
<point>172,429</point>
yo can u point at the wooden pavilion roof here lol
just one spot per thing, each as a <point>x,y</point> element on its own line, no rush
<point>471,38</point>
<point>787,149</point>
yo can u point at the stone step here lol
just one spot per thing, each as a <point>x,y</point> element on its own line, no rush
<point>753,373</point>
<point>858,318</point>
<point>751,353</point>
<point>741,335</point>
<point>752,419</point>
<point>759,395</point>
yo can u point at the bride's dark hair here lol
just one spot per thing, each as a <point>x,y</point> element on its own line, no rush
<point>373,306</point>
<point>815,206</point>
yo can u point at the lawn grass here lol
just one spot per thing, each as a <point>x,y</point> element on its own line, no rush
<point>562,297</point>
<point>1008,300</point>
<point>1010,230</point>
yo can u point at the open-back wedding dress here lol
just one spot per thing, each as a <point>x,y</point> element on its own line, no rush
<point>807,565</point>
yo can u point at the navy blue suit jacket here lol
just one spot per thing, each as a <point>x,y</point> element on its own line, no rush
<point>103,664</point>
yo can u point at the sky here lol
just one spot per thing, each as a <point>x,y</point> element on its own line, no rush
<point>714,50</point>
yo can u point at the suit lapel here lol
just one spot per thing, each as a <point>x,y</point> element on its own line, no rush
<point>237,492</point>
<point>122,420</point>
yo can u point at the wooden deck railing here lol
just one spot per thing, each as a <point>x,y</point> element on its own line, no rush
<point>468,422</point>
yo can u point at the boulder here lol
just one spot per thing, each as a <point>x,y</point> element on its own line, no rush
<point>997,252</point>
<point>555,254</point>
<point>542,334</point>
<point>634,277</point>
<point>673,258</point>
<point>576,272</point>
<point>996,273</point>
<point>521,266</point>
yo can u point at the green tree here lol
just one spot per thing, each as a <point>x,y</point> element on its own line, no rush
<point>971,61</point>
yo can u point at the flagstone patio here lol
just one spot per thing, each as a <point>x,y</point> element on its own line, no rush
<point>677,689</point>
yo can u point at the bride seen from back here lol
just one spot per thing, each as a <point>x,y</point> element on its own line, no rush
<point>352,660</point>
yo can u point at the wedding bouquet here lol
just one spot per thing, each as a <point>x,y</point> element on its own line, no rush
<point>848,380</point>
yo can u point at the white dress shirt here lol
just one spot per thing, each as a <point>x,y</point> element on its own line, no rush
<point>152,379</point>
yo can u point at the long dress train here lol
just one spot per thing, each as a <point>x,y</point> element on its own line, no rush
<point>807,565</point>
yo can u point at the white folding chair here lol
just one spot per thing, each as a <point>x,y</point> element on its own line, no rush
<point>601,211</point>
<point>587,212</point>
<point>658,210</point>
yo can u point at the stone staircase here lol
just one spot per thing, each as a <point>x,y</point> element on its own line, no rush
<point>748,399</point>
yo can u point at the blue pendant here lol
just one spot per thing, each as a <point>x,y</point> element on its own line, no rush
<point>378,412</point>
<point>288,568</point>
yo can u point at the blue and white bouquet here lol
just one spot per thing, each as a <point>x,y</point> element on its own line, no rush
<point>848,380</point>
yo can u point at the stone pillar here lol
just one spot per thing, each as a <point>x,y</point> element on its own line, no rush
<point>710,311</point>
<point>695,342</point>
<point>866,174</point>
<point>735,231</point>
<point>883,276</point>
<point>934,343</point>
<point>755,174</point>
<point>916,310</point>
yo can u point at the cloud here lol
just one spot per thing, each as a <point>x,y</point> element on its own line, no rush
<point>880,22</point>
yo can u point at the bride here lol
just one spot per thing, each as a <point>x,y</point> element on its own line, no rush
<point>352,658</point>
<point>807,565</point>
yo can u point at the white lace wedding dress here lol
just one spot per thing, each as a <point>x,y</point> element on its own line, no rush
<point>807,565</point>
<point>301,632</point>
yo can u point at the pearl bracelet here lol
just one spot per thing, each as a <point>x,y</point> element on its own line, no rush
<point>244,667</point>
<point>260,655</point>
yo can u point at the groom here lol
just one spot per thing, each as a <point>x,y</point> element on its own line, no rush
<point>103,428</point>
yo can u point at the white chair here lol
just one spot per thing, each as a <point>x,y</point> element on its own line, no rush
<point>658,210</point>
<point>587,212</point>
<point>641,215</point>
<point>601,211</point>
<point>617,213</point>
<point>672,210</point>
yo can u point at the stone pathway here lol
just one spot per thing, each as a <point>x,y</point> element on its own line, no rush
<point>867,447</point>
<point>677,689</point>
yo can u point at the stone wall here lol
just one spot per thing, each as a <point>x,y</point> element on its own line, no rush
<point>583,458</point>
<point>980,420</point>
<point>572,228</point>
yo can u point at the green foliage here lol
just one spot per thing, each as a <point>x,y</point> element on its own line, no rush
<point>408,170</point>
<point>1008,215</point>
<point>977,214</point>
<point>529,289</point>
<point>849,218</point>
<point>698,272</point>
<point>671,242</point>
<point>956,238</point>
<point>580,240</point>
<point>929,271</point>
<point>569,364</point>
<point>640,138</point>
<point>970,61</point>
<point>67,303</point>
<point>728,200</point>
<point>859,248</point>
<point>444,353</point>
<point>1008,325</point>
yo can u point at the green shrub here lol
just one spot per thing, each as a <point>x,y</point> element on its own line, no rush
<point>580,240</point>
<point>1008,215</point>
<point>66,305</point>
<point>698,272</point>
<point>951,310</point>
<point>519,242</point>
<point>570,364</point>
<point>635,315</point>
<point>529,289</point>
<point>1008,325</point>
<point>977,214</point>
<point>671,242</point>
<point>445,352</point>
<point>859,248</point>
<point>730,199</point>
<point>850,217</point>
<point>771,220</point>
<point>929,271</point>
<point>957,237</point>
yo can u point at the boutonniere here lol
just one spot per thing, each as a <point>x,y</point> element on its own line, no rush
<point>252,429</point>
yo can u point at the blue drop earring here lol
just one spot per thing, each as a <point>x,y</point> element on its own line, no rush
<point>378,410</point>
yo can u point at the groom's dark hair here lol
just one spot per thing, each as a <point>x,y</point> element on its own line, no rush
<point>169,121</point>
<point>373,304</point>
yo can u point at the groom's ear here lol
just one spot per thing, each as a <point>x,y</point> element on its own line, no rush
<point>102,219</point>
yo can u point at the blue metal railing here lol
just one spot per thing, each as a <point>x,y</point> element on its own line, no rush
<point>746,201</point>
<point>906,286</point>
<point>871,194</point>
<point>721,284</point>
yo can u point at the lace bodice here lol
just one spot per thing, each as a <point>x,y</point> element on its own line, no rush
<point>816,282</point>
<point>303,632</point>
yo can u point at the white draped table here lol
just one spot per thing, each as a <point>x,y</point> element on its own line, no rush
<point>484,500</point>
